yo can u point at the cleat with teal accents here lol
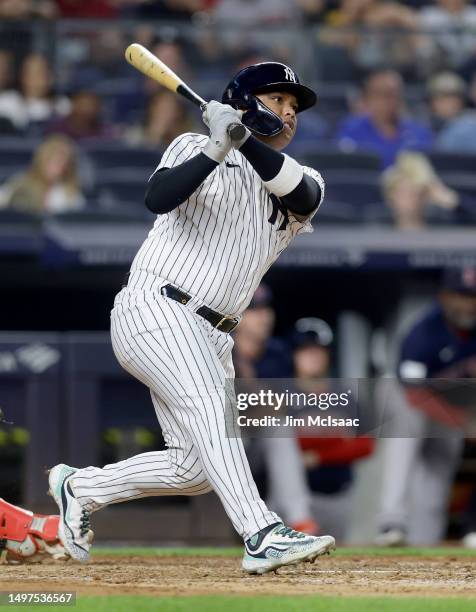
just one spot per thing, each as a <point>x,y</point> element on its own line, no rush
<point>73,528</point>
<point>278,545</point>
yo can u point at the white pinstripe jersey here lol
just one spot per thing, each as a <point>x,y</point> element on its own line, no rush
<point>219,243</point>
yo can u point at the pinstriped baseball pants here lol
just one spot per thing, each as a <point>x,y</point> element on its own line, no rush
<point>184,361</point>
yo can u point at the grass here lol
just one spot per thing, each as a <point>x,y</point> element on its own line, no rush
<point>219,603</point>
<point>450,551</point>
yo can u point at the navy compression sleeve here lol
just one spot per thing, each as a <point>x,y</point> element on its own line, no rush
<point>170,187</point>
<point>267,162</point>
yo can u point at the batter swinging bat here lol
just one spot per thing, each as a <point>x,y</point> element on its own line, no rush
<point>150,65</point>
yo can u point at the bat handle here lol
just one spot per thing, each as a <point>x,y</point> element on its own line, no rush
<point>237,131</point>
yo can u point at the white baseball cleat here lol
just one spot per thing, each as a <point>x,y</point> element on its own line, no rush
<point>469,540</point>
<point>391,537</point>
<point>73,528</point>
<point>278,545</point>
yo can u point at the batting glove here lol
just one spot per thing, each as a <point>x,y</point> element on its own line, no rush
<point>218,118</point>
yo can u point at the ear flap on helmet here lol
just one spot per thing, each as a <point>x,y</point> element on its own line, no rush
<point>260,119</point>
<point>257,117</point>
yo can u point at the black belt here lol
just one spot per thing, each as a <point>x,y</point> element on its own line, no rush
<point>221,322</point>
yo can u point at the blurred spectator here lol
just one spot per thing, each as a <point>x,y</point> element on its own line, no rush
<point>26,9</point>
<point>165,118</point>
<point>170,48</point>
<point>213,60</point>
<point>459,134</point>
<point>455,125</point>
<point>102,61</point>
<point>84,121</point>
<point>411,187</point>
<point>259,355</point>
<point>418,469</point>
<point>240,21</point>
<point>451,27</point>
<point>35,103</point>
<point>163,9</point>
<point>383,128</point>
<point>368,34</point>
<point>328,460</point>
<point>313,11</point>
<point>92,9</point>
<point>6,65</point>
<point>250,13</point>
<point>447,98</point>
<point>50,185</point>
<point>6,69</point>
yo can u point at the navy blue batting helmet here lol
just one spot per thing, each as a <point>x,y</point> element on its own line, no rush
<point>259,78</point>
<point>311,331</point>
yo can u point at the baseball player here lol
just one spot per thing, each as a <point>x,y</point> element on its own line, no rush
<point>225,211</point>
<point>418,469</point>
<point>28,537</point>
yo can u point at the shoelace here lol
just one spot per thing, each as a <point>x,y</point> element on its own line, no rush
<point>85,523</point>
<point>290,533</point>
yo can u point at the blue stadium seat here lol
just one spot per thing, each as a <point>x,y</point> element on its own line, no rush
<point>333,158</point>
<point>117,214</point>
<point>120,189</point>
<point>453,162</point>
<point>357,189</point>
<point>16,152</point>
<point>7,172</point>
<point>120,156</point>
<point>354,193</point>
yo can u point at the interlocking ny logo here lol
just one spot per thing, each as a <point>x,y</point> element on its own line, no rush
<point>289,74</point>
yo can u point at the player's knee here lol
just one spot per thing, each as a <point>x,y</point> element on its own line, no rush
<point>195,484</point>
<point>191,476</point>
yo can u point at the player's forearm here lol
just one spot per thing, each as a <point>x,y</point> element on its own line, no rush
<point>170,187</point>
<point>304,193</point>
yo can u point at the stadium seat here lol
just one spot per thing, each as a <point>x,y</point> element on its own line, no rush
<point>335,212</point>
<point>120,156</point>
<point>453,162</point>
<point>353,191</point>
<point>463,182</point>
<point>10,215</point>
<point>120,189</point>
<point>6,171</point>
<point>118,214</point>
<point>16,152</point>
<point>328,159</point>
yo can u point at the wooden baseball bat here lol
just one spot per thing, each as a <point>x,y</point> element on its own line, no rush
<point>150,65</point>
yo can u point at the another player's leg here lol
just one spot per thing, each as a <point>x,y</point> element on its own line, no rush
<point>431,490</point>
<point>400,457</point>
<point>288,489</point>
<point>29,537</point>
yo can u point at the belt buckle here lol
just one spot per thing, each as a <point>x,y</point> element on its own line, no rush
<point>233,319</point>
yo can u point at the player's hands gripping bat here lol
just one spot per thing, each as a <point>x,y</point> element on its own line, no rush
<point>150,65</point>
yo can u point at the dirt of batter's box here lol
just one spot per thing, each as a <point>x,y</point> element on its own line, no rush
<point>105,575</point>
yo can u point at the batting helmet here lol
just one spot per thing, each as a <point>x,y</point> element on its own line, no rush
<point>311,331</point>
<point>259,78</point>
